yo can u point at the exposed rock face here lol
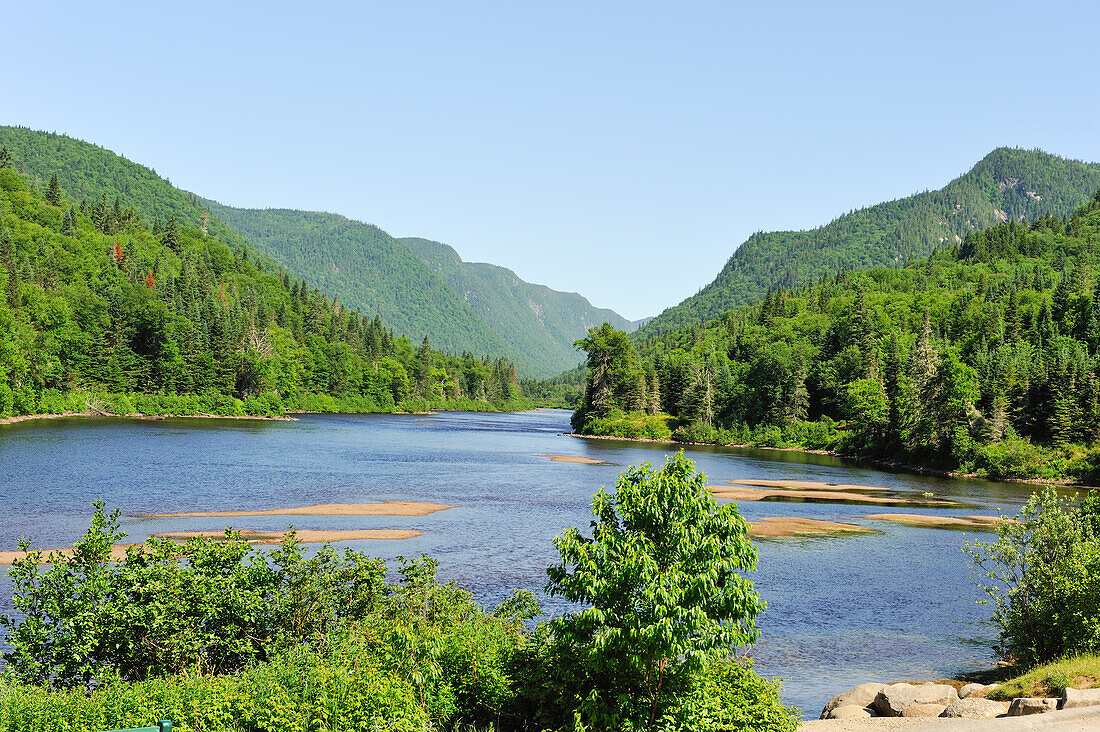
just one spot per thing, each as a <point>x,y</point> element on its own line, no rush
<point>1031,705</point>
<point>894,699</point>
<point>979,691</point>
<point>923,710</point>
<point>973,707</point>
<point>1073,698</point>
<point>850,711</point>
<point>859,696</point>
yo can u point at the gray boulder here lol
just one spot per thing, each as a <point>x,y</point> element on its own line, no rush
<point>859,696</point>
<point>850,711</point>
<point>973,707</point>
<point>893,700</point>
<point>978,691</point>
<point>1024,705</point>
<point>1073,698</point>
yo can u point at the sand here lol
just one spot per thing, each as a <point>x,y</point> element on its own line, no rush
<point>118,551</point>
<point>306,536</point>
<point>777,527</point>
<point>385,508</point>
<point>938,522</point>
<point>572,459</point>
<point>745,493</point>
<point>809,485</point>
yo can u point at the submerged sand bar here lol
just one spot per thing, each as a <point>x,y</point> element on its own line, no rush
<point>306,536</point>
<point>746,493</point>
<point>806,485</point>
<point>982,523</point>
<point>572,459</point>
<point>384,508</point>
<point>784,526</point>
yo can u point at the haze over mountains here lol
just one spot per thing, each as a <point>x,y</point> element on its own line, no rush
<point>1008,184</point>
<point>461,307</point>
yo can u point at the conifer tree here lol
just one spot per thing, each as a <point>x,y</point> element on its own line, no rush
<point>53,191</point>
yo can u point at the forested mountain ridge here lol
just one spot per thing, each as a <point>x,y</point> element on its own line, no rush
<point>360,264</point>
<point>367,269</point>
<point>983,357</point>
<point>102,310</point>
<point>1008,184</point>
<point>538,322</point>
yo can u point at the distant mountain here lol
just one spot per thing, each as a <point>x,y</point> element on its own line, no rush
<point>540,323</point>
<point>370,270</point>
<point>460,307</point>
<point>1008,184</point>
<point>642,322</point>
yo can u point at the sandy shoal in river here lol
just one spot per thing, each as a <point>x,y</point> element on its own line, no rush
<point>572,459</point>
<point>745,493</point>
<point>987,523</point>
<point>784,526</point>
<point>385,508</point>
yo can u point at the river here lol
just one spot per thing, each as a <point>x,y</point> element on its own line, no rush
<point>888,606</point>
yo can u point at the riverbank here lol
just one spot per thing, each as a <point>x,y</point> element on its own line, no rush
<point>150,417</point>
<point>896,466</point>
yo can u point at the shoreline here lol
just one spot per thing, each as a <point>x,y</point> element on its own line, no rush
<point>148,417</point>
<point>889,465</point>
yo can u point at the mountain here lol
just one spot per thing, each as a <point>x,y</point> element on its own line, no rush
<point>1008,184</point>
<point>540,323</point>
<point>102,310</point>
<point>367,269</point>
<point>360,264</point>
<point>983,357</point>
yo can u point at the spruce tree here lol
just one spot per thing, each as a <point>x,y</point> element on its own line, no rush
<point>53,191</point>
<point>5,158</point>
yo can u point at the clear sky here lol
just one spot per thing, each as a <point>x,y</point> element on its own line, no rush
<point>621,150</point>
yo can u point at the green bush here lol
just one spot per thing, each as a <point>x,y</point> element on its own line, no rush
<point>634,425</point>
<point>1043,578</point>
<point>1016,457</point>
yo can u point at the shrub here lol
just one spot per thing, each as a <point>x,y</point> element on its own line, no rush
<point>665,600</point>
<point>1043,577</point>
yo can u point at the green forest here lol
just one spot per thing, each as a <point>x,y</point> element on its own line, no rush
<point>108,309</point>
<point>982,358</point>
<point>1007,185</point>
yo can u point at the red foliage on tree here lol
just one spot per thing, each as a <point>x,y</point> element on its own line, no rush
<point>150,282</point>
<point>119,256</point>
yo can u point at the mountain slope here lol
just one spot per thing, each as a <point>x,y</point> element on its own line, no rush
<point>367,269</point>
<point>540,323</point>
<point>1008,184</point>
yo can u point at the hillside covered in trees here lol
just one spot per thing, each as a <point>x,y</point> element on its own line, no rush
<point>542,324</point>
<point>468,309</point>
<point>983,357</point>
<point>107,308</point>
<point>1006,185</point>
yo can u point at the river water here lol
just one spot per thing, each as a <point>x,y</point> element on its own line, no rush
<point>889,606</point>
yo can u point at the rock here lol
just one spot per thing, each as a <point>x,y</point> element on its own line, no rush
<point>850,711</point>
<point>978,691</point>
<point>973,707</point>
<point>923,710</point>
<point>1073,698</point>
<point>892,700</point>
<point>859,696</point>
<point>1031,705</point>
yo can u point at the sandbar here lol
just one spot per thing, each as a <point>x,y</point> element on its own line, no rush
<point>745,493</point>
<point>806,485</point>
<point>783,526</point>
<point>987,523</point>
<point>384,508</point>
<point>572,459</point>
<point>306,536</point>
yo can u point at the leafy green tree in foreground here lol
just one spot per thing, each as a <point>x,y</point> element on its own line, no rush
<point>660,574</point>
<point>1043,578</point>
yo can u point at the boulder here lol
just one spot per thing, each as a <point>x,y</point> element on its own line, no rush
<point>1073,698</point>
<point>892,700</point>
<point>850,711</point>
<point>859,696</point>
<point>977,691</point>
<point>973,707</point>
<point>923,710</point>
<point>1024,705</point>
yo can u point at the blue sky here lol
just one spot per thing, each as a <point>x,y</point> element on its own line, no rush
<point>621,150</point>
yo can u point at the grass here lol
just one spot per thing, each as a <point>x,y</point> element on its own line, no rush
<point>1081,672</point>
